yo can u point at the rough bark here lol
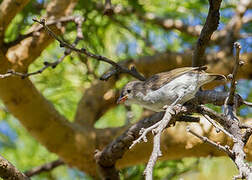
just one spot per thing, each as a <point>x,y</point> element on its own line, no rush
<point>10,172</point>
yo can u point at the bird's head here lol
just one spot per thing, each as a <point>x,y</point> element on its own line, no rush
<point>129,91</point>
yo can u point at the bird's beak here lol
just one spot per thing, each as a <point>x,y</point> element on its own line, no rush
<point>122,99</point>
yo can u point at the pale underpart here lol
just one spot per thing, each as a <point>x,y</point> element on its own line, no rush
<point>183,87</point>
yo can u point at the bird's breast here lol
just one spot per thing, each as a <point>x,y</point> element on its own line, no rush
<point>184,86</point>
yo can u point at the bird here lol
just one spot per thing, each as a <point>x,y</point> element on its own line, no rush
<point>167,88</point>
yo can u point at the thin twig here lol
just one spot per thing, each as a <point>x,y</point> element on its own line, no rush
<point>208,141</point>
<point>247,103</point>
<point>143,133</point>
<point>230,100</point>
<point>156,152</point>
<point>233,123</point>
<point>44,168</point>
<point>79,21</point>
<point>119,68</point>
<point>217,127</point>
<point>245,126</point>
<point>202,109</point>
<point>46,65</point>
<point>37,29</point>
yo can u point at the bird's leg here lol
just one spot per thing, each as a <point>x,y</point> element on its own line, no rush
<point>174,105</point>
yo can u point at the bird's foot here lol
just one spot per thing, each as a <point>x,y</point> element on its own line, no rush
<point>173,109</point>
<point>170,109</point>
<point>178,107</point>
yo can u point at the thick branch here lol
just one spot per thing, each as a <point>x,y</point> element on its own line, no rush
<point>96,100</point>
<point>78,20</point>
<point>10,172</point>
<point>217,62</point>
<point>209,27</point>
<point>24,53</point>
<point>8,10</point>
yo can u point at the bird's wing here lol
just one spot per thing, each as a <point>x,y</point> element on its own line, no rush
<point>158,80</point>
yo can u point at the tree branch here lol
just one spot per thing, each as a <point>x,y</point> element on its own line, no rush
<point>10,172</point>
<point>225,149</point>
<point>8,10</point>
<point>44,168</point>
<point>209,27</point>
<point>157,131</point>
<point>118,68</point>
<point>78,20</point>
<point>21,55</point>
<point>231,122</point>
<point>230,100</point>
<point>35,30</point>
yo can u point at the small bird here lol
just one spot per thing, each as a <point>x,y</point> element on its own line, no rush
<point>168,88</point>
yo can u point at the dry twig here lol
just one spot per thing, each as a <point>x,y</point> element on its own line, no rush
<point>156,152</point>
<point>217,127</point>
<point>71,47</point>
<point>233,124</point>
<point>232,76</point>
<point>226,148</point>
<point>118,68</point>
<point>79,21</point>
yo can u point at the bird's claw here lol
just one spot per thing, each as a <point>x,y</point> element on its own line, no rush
<point>177,107</point>
<point>171,111</point>
<point>174,109</point>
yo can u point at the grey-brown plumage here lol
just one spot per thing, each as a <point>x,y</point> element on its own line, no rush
<point>176,86</point>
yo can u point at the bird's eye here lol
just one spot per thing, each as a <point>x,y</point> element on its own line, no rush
<point>128,91</point>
